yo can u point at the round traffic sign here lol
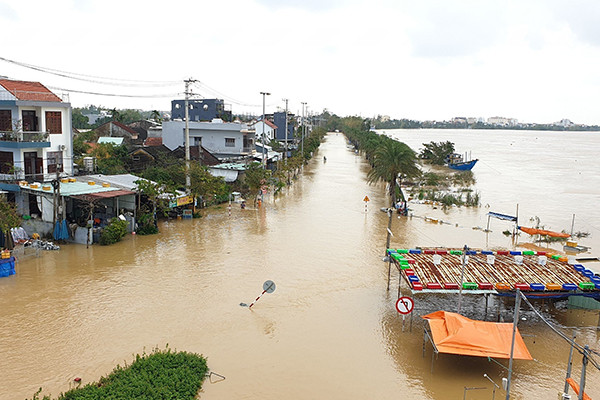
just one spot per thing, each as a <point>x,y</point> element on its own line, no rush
<point>405,305</point>
<point>269,286</point>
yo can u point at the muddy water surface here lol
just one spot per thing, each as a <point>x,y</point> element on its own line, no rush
<point>329,331</point>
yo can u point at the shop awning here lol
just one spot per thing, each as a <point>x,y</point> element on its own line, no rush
<point>103,195</point>
<point>454,334</point>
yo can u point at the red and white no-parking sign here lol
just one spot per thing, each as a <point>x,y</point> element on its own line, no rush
<point>405,305</point>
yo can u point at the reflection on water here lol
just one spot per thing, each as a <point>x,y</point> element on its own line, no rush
<point>330,330</point>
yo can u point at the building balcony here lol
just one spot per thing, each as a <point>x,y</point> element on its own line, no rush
<point>20,140</point>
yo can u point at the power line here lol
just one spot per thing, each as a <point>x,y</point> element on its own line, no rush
<point>166,95</point>
<point>83,77</point>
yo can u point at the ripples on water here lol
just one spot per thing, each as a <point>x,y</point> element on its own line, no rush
<point>330,330</point>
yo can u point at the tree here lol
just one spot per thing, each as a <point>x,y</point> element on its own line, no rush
<point>79,120</point>
<point>437,152</point>
<point>8,215</point>
<point>204,184</point>
<point>392,162</point>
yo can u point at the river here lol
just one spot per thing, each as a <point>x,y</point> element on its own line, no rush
<point>330,330</point>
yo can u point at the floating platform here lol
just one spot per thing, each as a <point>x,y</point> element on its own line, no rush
<point>536,274</point>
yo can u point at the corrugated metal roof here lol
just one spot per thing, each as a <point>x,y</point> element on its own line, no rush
<point>73,188</point>
<point>114,140</point>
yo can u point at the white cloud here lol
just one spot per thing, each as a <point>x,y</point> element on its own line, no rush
<point>532,60</point>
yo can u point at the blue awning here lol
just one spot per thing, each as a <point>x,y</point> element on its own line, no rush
<point>502,216</point>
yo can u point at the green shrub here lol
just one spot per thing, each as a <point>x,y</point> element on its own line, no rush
<point>163,374</point>
<point>113,232</point>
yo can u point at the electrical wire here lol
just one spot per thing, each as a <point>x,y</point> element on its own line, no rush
<point>166,95</point>
<point>85,78</point>
<point>581,349</point>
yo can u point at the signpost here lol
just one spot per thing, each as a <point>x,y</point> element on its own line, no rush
<point>268,287</point>
<point>405,305</point>
<point>366,200</point>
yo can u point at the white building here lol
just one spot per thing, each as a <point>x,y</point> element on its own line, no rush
<point>267,128</point>
<point>36,135</point>
<point>223,139</point>
<point>502,121</point>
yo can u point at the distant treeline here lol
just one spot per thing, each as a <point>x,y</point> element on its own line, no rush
<point>412,124</point>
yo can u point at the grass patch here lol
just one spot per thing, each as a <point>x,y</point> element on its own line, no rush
<point>163,374</point>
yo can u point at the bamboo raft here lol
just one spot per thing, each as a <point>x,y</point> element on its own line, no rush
<point>537,274</point>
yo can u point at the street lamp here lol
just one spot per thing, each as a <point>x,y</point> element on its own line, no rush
<point>263,129</point>
<point>303,128</point>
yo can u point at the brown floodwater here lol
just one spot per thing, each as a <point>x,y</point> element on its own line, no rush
<point>329,331</point>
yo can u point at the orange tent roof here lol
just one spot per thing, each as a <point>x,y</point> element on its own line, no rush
<point>534,231</point>
<point>455,334</point>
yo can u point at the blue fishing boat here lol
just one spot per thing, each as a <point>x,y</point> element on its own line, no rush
<point>456,161</point>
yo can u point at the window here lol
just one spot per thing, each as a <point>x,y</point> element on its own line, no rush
<point>6,162</point>
<point>55,160</point>
<point>197,141</point>
<point>53,122</point>
<point>229,142</point>
<point>5,120</point>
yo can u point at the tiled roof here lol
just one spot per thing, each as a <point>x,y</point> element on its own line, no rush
<point>31,91</point>
<point>153,141</point>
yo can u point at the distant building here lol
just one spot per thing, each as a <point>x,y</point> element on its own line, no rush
<point>565,123</point>
<point>200,110</point>
<point>117,129</point>
<point>36,135</point>
<point>223,139</point>
<point>267,129</point>
<point>502,121</point>
<point>279,122</point>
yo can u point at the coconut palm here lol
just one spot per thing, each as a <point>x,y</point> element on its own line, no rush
<point>392,162</point>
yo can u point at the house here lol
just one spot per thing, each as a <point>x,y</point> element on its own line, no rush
<point>117,129</point>
<point>200,110</point>
<point>267,129</point>
<point>223,139</point>
<point>143,157</point>
<point>142,127</point>
<point>36,135</point>
<point>279,121</point>
<point>197,153</point>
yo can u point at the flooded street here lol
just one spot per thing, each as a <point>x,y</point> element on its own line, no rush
<point>330,330</point>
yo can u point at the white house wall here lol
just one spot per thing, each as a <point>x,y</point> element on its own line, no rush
<point>213,135</point>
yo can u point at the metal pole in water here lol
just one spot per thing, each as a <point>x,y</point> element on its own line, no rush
<point>570,364</point>
<point>462,277</point>
<point>512,345</point>
<point>586,350</point>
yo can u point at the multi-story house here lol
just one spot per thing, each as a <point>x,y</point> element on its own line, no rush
<point>36,135</point>
<point>200,110</point>
<point>223,139</point>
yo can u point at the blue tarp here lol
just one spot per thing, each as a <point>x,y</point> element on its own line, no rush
<point>502,216</point>
<point>61,232</point>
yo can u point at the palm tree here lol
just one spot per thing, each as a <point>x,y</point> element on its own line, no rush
<point>392,162</point>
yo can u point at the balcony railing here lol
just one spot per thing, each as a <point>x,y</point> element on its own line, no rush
<point>12,136</point>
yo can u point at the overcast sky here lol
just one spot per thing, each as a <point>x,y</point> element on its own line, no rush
<point>534,60</point>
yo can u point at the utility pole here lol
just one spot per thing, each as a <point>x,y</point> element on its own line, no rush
<point>303,127</point>
<point>286,128</point>
<point>188,181</point>
<point>264,164</point>
<point>512,346</point>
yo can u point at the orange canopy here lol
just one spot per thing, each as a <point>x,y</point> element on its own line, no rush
<point>455,334</point>
<point>533,231</point>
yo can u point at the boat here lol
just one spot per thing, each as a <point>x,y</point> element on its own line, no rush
<point>456,161</point>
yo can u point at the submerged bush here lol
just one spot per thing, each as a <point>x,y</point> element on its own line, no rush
<point>163,374</point>
<point>113,232</point>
